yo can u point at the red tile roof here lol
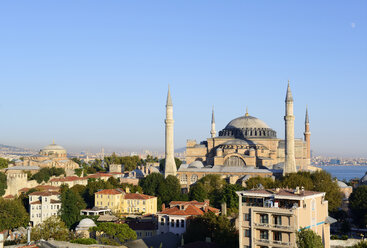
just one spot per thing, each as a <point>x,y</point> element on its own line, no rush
<point>138,196</point>
<point>66,179</point>
<point>9,197</point>
<point>189,210</point>
<point>36,202</point>
<point>45,193</point>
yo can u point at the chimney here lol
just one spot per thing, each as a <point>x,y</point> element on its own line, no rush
<point>127,190</point>
<point>206,202</point>
<point>277,190</point>
<point>224,208</point>
<point>296,191</point>
<point>163,206</point>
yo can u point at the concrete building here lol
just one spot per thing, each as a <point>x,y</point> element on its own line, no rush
<point>121,202</point>
<point>43,205</point>
<point>271,218</point>
<point>175,218</point>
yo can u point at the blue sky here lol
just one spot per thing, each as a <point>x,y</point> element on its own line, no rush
<point>94,74</point>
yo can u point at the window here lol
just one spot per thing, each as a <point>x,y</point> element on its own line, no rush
<point>264,234</point>
<point>143,202</point>
<point>277,220</point>
<point>264,218</point>
<point>194,178</point>
<point>277,236</point>
<point>177,223</point>
<point>246,217</point>
<point>182,223</point>
<point>247,233</point>
<point>162,221</point>
<point>172,223</point>
<point>183,179</point>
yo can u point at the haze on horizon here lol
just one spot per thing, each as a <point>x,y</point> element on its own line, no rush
<point>91,74</point>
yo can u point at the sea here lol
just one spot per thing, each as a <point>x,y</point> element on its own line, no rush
<point>345,172</point>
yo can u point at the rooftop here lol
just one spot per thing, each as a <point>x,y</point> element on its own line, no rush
<point>281,193</point>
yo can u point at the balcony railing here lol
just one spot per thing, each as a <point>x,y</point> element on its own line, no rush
<point>267,225</point>
<point>273,242</point>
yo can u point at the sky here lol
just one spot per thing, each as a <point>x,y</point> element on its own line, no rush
<point>92,74</point>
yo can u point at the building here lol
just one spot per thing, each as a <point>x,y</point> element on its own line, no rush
<point>271,218</point>
<point>52,155</point>
<point>43,205</point>
<point>82,229</point>
<point>244,148</point>
<point>121,202</point>
<point>175,218</point>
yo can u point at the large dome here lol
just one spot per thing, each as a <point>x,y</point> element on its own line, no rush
<point>246,122</point>
<point>247,127</point>
<point>53,150</point>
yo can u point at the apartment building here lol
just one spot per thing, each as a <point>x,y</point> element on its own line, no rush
<point>271,218</point>
<point>122,202</point>
<point>43,205</point>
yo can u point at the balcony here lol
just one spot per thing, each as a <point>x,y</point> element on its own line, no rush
<point>273,242</point>
<point>270,226</point>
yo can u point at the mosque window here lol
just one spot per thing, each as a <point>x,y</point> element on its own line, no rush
<point>234,161</point>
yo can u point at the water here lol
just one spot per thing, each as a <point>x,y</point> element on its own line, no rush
<point>345,172</point>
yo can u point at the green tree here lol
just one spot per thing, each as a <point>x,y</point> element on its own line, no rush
<point>218,228</point>
<point>150,184</point>
<point>254,182</point>
<point>114,232</point>
<point>79,172</point>
<point>198,192</point>
<point>53,227</point>
<point>229,196</point>
<point>71,204</point>
<point>358,205</point>
<point>362,244</point>
<point>3,183</point>
<point>45,174</point>
<point>12,214</point>
<point>307,238</point>
<point>4,163</point>
<point>169,189</point>
<point>299,179</point>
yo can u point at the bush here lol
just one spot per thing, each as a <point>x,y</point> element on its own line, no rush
<point>84,241</point>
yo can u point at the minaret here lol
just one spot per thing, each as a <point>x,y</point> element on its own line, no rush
<point>307,135</point>
<point>290,161</point>
<point>212,131</point>
<point>170,165</point>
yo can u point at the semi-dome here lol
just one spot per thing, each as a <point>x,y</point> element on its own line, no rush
<point>196,164</point>
<point>342,184</point>
<point>247,127</point>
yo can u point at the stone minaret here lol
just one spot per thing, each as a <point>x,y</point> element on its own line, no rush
<point>290,161</point>
<point>307,135</point>
<point>212,131</point>
<point>170,165</point>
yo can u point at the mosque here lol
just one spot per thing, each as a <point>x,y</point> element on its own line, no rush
<point>246,147</point>
<point>52,155</point>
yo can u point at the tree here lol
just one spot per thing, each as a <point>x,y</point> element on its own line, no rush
<point>12,214</point>
<point>218,228</point>
<point>115,232</point>
<point>150,184</point>
<point>254,182</point>
<point>307,238</point>
<point>299,179</point>
<point>362,244</point>
<point>170,189</point>
<point>79,172</point>
<point>53,227</point>
<point>71,204</point>
<point>229,196</point>
<point>4,163</point>
<point>198,192</point>
<point>45,174</point>
<point>358,205</point>
<point>3,183</point>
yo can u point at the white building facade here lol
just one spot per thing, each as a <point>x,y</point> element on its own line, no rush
<point>43,205</point>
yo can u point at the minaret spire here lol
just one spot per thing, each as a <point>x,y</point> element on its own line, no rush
<point>246,111</point>
<point>307,135</point>
<point>212,131</point>
<point>290,161</point>
<point>170,165</point>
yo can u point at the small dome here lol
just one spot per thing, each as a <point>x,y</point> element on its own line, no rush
<point>342,184</point>
<point>53,147</point>
<point>86,223</point>
<point>196,164</point>
<point>53,150</point>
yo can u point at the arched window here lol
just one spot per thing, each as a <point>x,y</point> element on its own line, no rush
<point>234,161</point>
<point>183,178</point>
<point>194,178</point>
